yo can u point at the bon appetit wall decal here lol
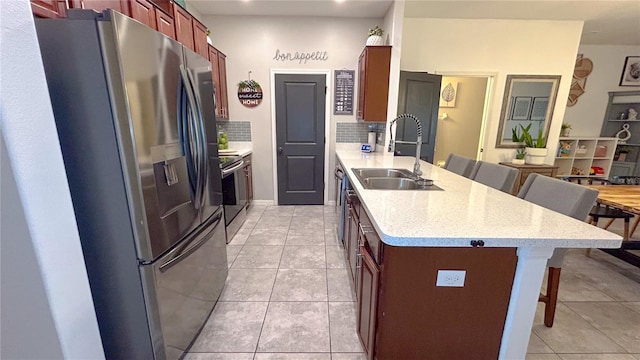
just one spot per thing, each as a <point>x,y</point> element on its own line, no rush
<point>301,57</point>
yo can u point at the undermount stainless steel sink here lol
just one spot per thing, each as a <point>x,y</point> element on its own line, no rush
<point>382,173</point>
<point>392,179</point>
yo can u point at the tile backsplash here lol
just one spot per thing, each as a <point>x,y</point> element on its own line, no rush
<point>357,132</point>
<point>236,130</point>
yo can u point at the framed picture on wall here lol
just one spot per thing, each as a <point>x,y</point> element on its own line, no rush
<point>539,108</point>
<point>631,72</point>
<point>521,108</point>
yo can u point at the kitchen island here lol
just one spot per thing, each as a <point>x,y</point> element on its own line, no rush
<point>501,242</point>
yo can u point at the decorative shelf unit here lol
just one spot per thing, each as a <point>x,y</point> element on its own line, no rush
<point>584,153</point>
<point>618,107</point>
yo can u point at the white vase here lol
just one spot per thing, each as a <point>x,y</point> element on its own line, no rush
<point>209,40</point>
<point>517,161</point>
<point>375,40</point>
<point>535,156</point>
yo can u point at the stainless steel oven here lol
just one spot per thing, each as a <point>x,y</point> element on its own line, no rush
<point>234,193</point>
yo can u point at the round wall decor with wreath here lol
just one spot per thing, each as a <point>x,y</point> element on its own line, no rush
<point>249,93</point>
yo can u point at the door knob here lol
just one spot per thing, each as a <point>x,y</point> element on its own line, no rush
<point>279,150</point>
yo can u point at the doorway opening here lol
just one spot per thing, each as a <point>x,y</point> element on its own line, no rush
<point>462,126</point>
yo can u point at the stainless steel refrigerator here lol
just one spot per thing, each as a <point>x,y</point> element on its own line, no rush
<point>134,111</point>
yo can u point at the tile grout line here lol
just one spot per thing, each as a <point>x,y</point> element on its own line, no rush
<point>326,271</point>
<point>598,330</point>
<point>264,319</point>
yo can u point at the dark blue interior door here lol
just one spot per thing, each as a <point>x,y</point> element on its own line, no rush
<point>300,113</point>
<point>419,95</point>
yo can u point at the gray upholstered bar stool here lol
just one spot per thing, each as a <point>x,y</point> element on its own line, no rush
<point>495,175</point>
<point>568,199</point>
<point>459,165</point>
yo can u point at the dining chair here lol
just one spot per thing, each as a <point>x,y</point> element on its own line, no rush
<point>494,175</point>
<point>568,199</point>
<point>460,165</point>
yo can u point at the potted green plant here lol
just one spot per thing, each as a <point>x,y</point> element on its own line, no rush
<point>621,152</point>
<point>565,129</point>
<point>519,159</point>
<point>516,136</point>
<point>375,37</point>
<point>536,149</point>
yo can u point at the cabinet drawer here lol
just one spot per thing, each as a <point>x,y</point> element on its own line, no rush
<point>524,174</point>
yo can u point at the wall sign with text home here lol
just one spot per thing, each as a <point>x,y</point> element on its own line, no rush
<point>249,93</point>
<point>343,94</point>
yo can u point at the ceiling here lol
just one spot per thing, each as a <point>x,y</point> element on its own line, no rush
<point>607,22</point>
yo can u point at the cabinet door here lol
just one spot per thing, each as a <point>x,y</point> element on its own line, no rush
<point>215,74</point>
<point>164,24</point>
<point>361,87</point>
<point>200,39</point>
<point>145,12</point>
<point>374,83</point>
<point>352,248</point>
<point>49,8</point>
<point>184,26</point>
<point>222,69</point>
<point>367,301</point>
<point>120,6</point>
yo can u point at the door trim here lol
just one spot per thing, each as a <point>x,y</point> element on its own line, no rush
<point>488,96</point>
<point>327,125</point>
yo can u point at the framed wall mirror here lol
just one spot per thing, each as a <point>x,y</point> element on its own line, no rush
<point>528,99</point>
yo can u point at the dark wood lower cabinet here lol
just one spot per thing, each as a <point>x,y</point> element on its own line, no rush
<point>367,295</point>
<point>402,314</point>
<point>418,320</point>
<point>352,239</point>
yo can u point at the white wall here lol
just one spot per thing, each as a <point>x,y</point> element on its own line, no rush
<point>587,114</point>
<point>393,21</point>
<point>250,43</point>
<point>47,310</point>
<point>501,46</point>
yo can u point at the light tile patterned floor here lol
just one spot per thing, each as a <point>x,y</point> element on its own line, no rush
<point>288,297</point>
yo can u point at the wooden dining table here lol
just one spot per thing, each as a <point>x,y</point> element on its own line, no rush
<point>626,198</point>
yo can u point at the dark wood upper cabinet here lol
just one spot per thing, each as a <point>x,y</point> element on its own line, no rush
<point>120,6</point>
<point>219,75</point>
<point>373,83</point>
<point>200,39</point>
<point>215,74</point>
<point>184,26</point>
<point>145,12</point>
<point>49,8</point>
<point>164,24</point>
<point>222,69</point>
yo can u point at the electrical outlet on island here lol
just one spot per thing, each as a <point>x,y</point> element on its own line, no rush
<point>451,278</point>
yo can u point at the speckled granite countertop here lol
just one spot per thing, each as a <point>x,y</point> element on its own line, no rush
<point>464,211</point>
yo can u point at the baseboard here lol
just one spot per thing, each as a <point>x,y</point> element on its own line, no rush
<point>262,202</point>
<point>271,202</point>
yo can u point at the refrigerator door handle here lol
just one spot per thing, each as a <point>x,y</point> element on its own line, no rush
<point>200,131</point>
<point>196,152</point>
<point>187,249</point>
<point>183,130</point>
